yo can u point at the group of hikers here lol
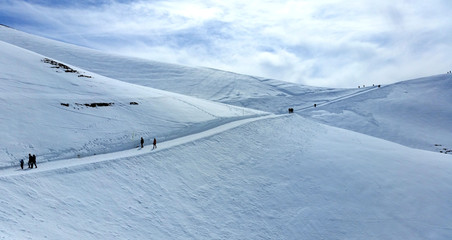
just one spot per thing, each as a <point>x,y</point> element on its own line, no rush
<point>31,161</point>
<point>373,85</point>
<point>32,158</point>
<point>154,143</point>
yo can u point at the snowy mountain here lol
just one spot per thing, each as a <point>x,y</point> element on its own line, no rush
<point>52,111</point>
<point>375,113</point>
<point>415,113</point>
<point>229,164</point>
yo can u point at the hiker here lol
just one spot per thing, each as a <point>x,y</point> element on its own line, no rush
<point>22,163</point>
<point>142,142</point>
<point>30,161</point>
<point>34,161</point>
<point>155,144</point>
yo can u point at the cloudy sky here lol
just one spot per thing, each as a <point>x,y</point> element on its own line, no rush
<point>333,43</point>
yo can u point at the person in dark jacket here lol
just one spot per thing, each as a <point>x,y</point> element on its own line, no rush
<point>30,161</point>
<point>34,161</point>
<point>155,144</point>
<point>142,142</point>
<point>22,163</point>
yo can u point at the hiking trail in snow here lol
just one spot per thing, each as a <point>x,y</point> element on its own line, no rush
<point>147,149</point>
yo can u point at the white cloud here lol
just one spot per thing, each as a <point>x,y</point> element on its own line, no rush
<point>342,43</point>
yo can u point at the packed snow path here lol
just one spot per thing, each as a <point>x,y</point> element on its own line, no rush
<point>340,98</point>
<point>147,149</point>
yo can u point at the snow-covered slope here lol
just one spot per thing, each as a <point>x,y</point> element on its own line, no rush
<point>376,113</point>
<point>416,113</point>
<point>277,178</point>
<point>199,82</point>
<point>43,110</point>
<point>219,171</point>
<point>226,87</point>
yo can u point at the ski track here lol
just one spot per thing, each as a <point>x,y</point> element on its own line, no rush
<point>194,106</point>
<point>75,162</point>
<point>338,99</point>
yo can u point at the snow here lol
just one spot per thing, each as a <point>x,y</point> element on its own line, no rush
<point>415,113</point>
<point>354,167</point>
<point>32,101</point>
<point>375,113</point>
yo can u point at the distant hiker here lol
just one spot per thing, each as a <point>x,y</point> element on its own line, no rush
<point>30,161</point>
<point>34,161</point>
<point>315,105</point>
<point>155,144</point>
<point>22,163</point>
<point>142,142</point>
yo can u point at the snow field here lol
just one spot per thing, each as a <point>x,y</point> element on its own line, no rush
<point>35,121</point>
<point>276,178</point>
<point>413,113</point>
<point>220,171</point>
